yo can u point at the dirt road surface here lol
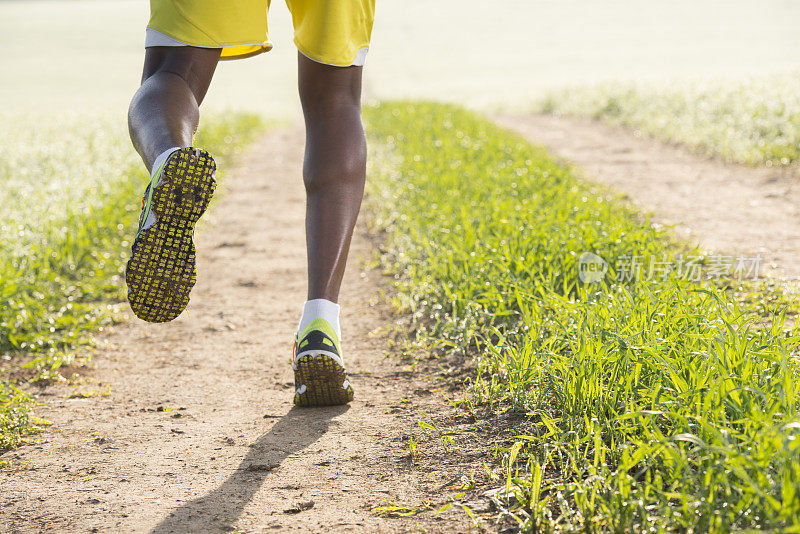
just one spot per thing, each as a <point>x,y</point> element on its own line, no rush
<point>197,432</point>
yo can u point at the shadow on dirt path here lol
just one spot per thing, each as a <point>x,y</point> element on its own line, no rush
<point>299,428</point>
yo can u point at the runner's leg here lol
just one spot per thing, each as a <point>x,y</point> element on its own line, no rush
<point>334,169</point>
<point>162,119</point>
<point>164,112</point>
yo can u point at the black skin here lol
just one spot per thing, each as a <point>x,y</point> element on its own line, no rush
<point>164,113</point>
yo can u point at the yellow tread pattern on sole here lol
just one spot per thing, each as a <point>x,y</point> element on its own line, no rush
<point>323,378</point>
<point>162,269</point>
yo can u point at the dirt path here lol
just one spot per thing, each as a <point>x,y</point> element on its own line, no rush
<point>731,209</point>
<point>198,433</point>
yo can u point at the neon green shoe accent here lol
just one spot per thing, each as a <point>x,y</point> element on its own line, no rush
<point>147,201</point>
<point>323,326</point>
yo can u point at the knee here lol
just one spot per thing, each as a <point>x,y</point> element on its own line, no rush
<point>344,168</point>
<point>329,92</point>
<point>320,106</point>
<point>335,144</point>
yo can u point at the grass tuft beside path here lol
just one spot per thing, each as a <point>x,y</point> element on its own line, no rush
<point>755,121</point>
<point>652,403</point>
<point>71,195</point>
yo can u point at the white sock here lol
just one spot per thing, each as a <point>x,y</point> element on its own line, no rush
<point>161,158</point>
<point>325,309</point>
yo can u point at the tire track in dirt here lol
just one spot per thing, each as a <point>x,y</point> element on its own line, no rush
<point>198,433</point>
<point>729,209</point>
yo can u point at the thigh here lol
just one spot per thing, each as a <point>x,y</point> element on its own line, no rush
<point>195,65</point>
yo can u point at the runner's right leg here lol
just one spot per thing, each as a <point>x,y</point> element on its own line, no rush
<point>162,120</point>
<point>334,171</point>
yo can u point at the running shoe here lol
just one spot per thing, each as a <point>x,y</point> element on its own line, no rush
<point>162,271</point>
<point>319,375</point>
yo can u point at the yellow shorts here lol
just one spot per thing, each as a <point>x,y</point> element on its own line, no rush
<point>335,32</point>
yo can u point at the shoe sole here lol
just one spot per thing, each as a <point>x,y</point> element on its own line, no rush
<point>162,269</point>
<point>323,378</point>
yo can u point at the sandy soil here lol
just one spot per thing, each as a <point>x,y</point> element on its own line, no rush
<point>198,433</point>
<point>727,209</point>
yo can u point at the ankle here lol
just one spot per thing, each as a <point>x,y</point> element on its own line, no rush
<point>320,309</point>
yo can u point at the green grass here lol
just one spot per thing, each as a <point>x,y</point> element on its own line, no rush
<point>16,420</point>
<point>652,404</point>
<point>71,194</point>
<point>754,121</point>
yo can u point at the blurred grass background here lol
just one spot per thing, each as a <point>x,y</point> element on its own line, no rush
<point>87,54</point>
<point>755,120</point>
